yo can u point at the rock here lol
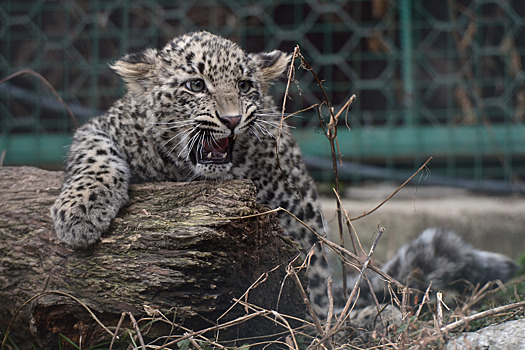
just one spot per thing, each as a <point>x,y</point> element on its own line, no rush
<point>506,336</point>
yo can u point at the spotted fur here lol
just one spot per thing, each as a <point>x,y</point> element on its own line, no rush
<point>441,259</point>
<point>196,109</point>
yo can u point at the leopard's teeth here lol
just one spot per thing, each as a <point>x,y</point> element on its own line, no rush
<point>234,137</point>
<point>224,155</point>
<point>209,155</point>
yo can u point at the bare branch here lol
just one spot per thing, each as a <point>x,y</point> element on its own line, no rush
<point>393,193</point>
<point>480,315</point>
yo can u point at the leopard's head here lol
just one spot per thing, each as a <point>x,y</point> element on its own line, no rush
<point>204,95</point>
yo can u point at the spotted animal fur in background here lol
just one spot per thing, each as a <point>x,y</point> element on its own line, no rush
<point>196,109</point>
<point>441,259</point>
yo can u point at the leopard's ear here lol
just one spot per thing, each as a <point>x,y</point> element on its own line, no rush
<point>271,64</point>
<point>135,68</point>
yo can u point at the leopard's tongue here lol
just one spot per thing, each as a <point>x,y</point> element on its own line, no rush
<point>217,149</point>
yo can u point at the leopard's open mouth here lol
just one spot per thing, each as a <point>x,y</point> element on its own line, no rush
<point>214,151</point>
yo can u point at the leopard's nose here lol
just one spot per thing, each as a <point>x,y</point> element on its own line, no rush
<point>231,122</point>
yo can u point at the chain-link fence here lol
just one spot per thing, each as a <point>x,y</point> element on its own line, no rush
<point>432,78</point>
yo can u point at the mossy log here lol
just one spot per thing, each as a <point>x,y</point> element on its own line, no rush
<point>172,248</point>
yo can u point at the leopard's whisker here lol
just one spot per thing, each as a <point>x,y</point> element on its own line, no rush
<point>264,130</point>
<point>200,143</point>
<point>275,124</point>
<point>175,122</point>
<point>189,145</point>
<point>171,139</point>
<point>186,132</point>
<point>255,133</point>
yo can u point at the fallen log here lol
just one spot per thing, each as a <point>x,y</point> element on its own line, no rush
<point>171,251</point>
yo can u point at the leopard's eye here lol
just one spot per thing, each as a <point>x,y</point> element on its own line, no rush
<point>195,85</point>
<point>244,86</point>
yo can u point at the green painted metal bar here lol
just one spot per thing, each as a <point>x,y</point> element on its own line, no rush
<point>407,60</point>
<point>94,56</point>
<point>29,149</point>
<point>422,141</point>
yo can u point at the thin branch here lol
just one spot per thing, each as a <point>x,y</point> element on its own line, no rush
<point>173,324</point>
<point>137,329</point>
<point>330,314</point>
<point>351,229</point>
<point>307,66</point>
<point>288,116</point>
<point>346,310</point>
<point>278,315</point>
<point>331,134</point>
<point>393,193</point>
<point>263,277</point>
<point>281,126</point>
<point>306,300</point>
<point>480,315</point>
<point>119,324</point>
<point>254,307</point>
<point>195,344</point>
<point>228,324</point>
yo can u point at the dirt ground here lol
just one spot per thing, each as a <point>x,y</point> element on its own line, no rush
<point>493,223</point>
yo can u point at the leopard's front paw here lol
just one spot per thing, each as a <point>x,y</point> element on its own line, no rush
<point>78,223</point>
<point>72,225</point>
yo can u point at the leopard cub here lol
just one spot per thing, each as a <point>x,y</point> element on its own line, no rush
<point>196,109</point>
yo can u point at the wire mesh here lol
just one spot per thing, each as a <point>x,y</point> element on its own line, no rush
<point>441,79</point>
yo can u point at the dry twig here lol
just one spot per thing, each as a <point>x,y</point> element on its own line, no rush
<point>225,325</point>
<point>346,310</point>
<point>330,132</point>
<point>395,192</point>
<point>119,324</point>
<point>306,300</point>
<point>137,329</point>
<point>497,310</point>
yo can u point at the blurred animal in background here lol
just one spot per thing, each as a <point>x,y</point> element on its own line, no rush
<point>441,259</point>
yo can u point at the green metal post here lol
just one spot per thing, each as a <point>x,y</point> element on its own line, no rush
<point>407,66</point>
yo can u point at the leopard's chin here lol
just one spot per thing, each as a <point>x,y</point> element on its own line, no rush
<point>213,171</point>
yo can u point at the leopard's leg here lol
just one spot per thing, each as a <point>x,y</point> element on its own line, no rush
<point>96,187</point>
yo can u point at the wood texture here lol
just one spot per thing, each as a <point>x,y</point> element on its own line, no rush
<point>170,249</point>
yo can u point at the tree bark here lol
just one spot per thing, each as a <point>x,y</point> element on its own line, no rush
<point>170,249</point>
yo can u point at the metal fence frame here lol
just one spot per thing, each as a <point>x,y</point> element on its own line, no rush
<point>443,80</point>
